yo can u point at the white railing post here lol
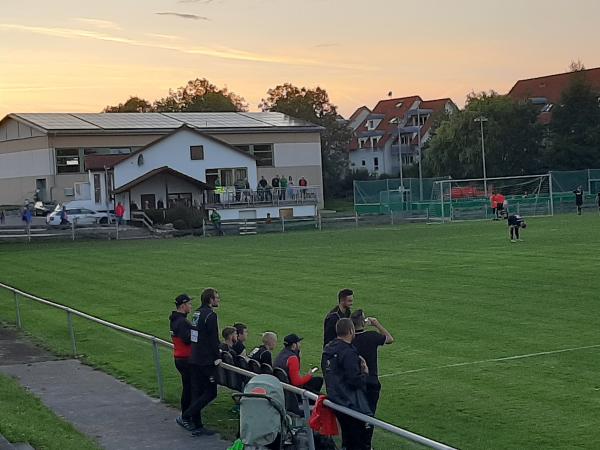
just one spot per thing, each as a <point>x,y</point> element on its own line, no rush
<point>18,310</point>
<point>156,355</point>
<point>71,332</point>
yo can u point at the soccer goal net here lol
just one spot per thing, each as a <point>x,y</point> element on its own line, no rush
<point>528,195</point>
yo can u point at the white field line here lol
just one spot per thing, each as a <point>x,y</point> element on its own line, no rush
<point>483,361</point>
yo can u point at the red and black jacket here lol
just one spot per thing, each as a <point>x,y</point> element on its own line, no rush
<point>180,334</point>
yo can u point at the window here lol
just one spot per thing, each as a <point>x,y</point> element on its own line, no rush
<point>227,177</point>
<point>394,120</point>
<point>362,142</point>
<point>263,153</point>
<point>97,188</point>
<point>376,163</point>
<point>68,160</point>
<point>547,108</point>
<point>107,151</point>
<point>370,124</point>
<point>405,139</point>
<point>140,160</point>
<point>399,105</point>
<point>375,140</point>
<point>364,163</point>
<point>197,152</point>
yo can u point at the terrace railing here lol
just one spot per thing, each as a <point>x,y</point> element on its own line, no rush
<point>157,342</point>
<point>231,197</point>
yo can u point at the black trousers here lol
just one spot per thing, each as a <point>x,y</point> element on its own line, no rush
<point>373,391</point>
<point>183,367</point>
<point>204,391</point>
<point>314,385</point>
<point>355,433</point>
<point>514,232</point>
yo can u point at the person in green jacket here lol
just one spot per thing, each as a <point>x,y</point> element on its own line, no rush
<point>283,184</point>
<point>215,218</point>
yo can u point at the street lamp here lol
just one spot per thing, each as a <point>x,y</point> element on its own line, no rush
<point>482,119</point>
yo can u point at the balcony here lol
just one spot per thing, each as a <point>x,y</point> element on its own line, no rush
<point>231,197</point>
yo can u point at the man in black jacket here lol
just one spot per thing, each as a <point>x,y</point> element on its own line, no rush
<point>204,360</point>
<point>345,378</point>
<point>263,354</point>
<point>182,349</point>
<point>345,299</point>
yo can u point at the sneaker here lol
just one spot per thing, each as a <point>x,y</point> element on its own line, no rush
<point>189,426</point>
<point>201,431</point>
<point>512,240</point>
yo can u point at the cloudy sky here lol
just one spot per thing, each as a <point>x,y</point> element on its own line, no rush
<point>79,56</point>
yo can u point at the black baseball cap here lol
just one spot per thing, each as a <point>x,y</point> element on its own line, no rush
<point>181,299</point>
<point>291,339</point>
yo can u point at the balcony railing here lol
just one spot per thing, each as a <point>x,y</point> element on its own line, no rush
<point>230,197</point>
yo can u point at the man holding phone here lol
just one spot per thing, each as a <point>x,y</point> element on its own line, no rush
<point>289,360</point>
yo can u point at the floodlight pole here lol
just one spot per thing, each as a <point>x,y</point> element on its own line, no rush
<point>482,119</point>
<point>400,158</point>
<point>419,146</point>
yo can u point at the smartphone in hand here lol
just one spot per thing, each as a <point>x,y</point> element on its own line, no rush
<point>314,369</point>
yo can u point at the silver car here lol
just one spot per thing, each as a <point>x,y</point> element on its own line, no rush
<point>79,216</point>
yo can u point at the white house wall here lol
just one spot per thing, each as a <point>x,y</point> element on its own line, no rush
<point>174,152</point>
<point>261,213</point>
<point>29,163</point>
<point>368,156</point>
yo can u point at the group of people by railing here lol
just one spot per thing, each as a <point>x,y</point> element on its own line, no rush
<point>280,189</point>
<point>349,362</point>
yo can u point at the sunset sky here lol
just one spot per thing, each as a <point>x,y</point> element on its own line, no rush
<point>79,56</point>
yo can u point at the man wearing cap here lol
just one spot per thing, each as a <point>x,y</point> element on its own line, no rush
<point>205,358</point>
<point>289,360</point>
<point>345,299</point>
<point>182,349</point>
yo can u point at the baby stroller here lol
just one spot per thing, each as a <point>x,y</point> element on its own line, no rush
<point>264,423</point>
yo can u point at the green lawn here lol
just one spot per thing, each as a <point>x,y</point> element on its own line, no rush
<point>23,418</point>
<point>450,294</point>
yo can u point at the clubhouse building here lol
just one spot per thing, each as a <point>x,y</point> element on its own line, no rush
<point>162,160</point>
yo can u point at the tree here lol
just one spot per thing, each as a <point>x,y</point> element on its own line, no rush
<point>200,95</point>
<point>132,105</point>
<point>313,105</point>
<point>575,128</point>
<point>576,66</point>
<point>512,139</point>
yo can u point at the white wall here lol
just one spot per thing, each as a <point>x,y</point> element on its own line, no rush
<point>174,152</point>
<point>26,163</point>
<point>261,213</point>
<point>308,154</point>
<point>357,156</point>
<point>13,129</point>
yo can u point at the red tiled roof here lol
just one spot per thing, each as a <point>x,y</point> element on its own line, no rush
<point>389,110</point>
<point>98,162</point>
<point>552,86</point>
<point>357,112</point>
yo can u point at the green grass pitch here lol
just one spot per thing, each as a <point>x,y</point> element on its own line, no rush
<point>458,295</point>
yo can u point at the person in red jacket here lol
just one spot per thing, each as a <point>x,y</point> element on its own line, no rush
<point>289,360</point>
<point>182,349</point>
<point>119,212</point>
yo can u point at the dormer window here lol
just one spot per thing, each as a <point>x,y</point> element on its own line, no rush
<point>140,160</point>
<point>399,105</point>
<point>394,120</point>
<point>547,108</point>
<point>370,124</point>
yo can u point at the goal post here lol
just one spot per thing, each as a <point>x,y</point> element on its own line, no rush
<point>470,199</point>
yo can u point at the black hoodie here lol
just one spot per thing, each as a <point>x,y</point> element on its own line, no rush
<point>343,377</point>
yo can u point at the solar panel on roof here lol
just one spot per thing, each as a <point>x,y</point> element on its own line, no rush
<point>57,121</point>
<point>216,120</point>
<point>130,120</point>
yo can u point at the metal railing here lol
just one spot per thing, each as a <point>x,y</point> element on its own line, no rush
<point>231,197</point>
<point>156,342</point>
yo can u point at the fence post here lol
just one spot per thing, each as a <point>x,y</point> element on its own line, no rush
<point>356,219</point>
<point>161,393</point>
<point>18,310</point>
<point>551,194</point>
<point>117,226</point>
<point>203,228</point>
<point>392,215</point>
<point>73,229</point>
<point>28,232</point>
<point>306,409</point>
<point>71,332</point>
<point>282,224</point>
<point>320,222</point>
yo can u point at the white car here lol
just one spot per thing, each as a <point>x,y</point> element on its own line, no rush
<point>79,216</point>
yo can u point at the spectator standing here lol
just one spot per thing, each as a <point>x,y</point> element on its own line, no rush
<point>342,310</point>
<point>303,183</point>
<point>275,185</point>
<point>345,378</point>
<point>204,360</point>
<point>230,338</point>
<point>3,216</point>
<point>578,199</point>
<point>290,190</point>
<point>119,213</point>
<point>289,360</point>
<point>64,220</point>
<point>493,203</point>
<point>283,183</point>
<point>242,336</point>
<point>27,217</point>
<point>263,353</point>
<point>215,219</point>
<point>180,329</point>
<point>367,343</point>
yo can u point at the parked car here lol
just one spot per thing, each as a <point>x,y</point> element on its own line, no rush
<point>79,216</point>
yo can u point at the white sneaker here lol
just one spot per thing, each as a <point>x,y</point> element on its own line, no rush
<point>512,240</point>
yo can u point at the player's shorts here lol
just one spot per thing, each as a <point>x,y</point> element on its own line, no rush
<point>500,206</point>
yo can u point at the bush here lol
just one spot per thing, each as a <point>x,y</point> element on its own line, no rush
<point>179,224</point>
<point>191,217</point>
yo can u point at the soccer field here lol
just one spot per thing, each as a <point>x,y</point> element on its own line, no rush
<point>497,343</point>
